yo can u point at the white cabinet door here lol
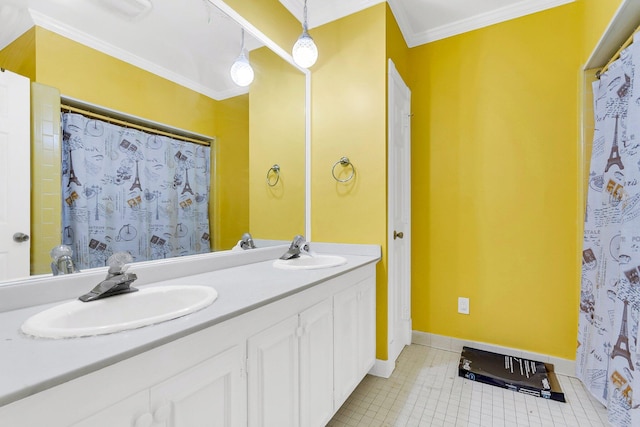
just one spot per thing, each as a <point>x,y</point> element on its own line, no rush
<point>354,315</point>
<point>316,365</point>
<point>346,365</point>
<point>130,412</point>
<point>209,394</point>
<point>272,375</point>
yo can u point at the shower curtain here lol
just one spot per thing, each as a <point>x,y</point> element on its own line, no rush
<point>125,190</point>
<point>607,358</point>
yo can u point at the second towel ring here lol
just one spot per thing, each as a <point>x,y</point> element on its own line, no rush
<point>276,171</point>
<point>344,161</point>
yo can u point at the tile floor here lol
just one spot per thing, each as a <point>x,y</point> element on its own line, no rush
<point>425,390</point>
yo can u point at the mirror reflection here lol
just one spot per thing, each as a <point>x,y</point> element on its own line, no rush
<point>168,65</point>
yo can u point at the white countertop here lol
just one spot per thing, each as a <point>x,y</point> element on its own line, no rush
<point>30,365</point>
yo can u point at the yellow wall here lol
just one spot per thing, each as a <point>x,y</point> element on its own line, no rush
<point>20,55</point>
<point>231,166</point>
<point>596,15</point>
<point>277,136</point>
<point>494,174</point>
<point>397,49</point>
<point>349,119</point>
<point>97,78</point>
<point>46,176</point>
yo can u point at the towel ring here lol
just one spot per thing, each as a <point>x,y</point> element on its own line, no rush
<point>273,170</point>
<point>344,161</point>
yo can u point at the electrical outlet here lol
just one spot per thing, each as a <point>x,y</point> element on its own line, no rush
<point>463,305</point>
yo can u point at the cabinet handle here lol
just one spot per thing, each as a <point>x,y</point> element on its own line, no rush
<point>397,235</point>
<point>162,412</point>
<point>144,420</point>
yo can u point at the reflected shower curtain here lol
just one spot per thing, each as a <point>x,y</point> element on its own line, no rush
<point>128,190</point>
<point>607,358</point>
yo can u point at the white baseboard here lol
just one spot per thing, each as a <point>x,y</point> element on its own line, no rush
<point>561,366</point>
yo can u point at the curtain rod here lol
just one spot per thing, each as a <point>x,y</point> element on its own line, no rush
<point>617,54</point>
<point>70,108</point>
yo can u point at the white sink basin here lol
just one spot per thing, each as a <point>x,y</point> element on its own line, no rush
<point>119,313</point>
<point>305,262</point>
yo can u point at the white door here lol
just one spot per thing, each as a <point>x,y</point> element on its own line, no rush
<point>14,175</point>
<point>399,227</point>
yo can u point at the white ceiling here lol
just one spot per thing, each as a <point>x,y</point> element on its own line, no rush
<point>193,44</point>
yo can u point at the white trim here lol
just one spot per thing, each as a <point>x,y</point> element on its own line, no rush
<point>496,16</point>
<point>561,366</point>
<point>76,35</point>
<point>307,168</point>
<point>621,26</point>
<point>382,368</point>
<point>320,12</point>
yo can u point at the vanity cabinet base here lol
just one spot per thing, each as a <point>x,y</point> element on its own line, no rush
<point>292,362</point>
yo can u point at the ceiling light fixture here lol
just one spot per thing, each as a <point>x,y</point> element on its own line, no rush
<point>305,52</point>
<point>241,71</point>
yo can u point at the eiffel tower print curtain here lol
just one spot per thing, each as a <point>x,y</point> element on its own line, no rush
<point>607,359</point>
<point>125,190</point>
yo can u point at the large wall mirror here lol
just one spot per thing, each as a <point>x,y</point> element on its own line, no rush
<point>168,62</point>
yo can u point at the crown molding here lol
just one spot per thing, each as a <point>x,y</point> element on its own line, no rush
<point>502,14</point>
<point>121,54</point>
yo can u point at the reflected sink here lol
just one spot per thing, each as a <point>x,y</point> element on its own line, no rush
<point>305,262</point>
<point>119,313</point>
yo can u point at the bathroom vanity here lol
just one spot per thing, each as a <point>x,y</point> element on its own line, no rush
<point>277,348</point>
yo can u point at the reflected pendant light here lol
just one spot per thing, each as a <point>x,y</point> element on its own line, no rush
<point>305,52</point>
<point>241,71</point>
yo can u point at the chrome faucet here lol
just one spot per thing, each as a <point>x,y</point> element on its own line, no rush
<point>299,246</point>
<point>247,242</point>
<point>117,282</point>
<point>62,260</point>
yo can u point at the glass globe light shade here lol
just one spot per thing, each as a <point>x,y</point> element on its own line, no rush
<point>241,71</point>
<point>305,52</point>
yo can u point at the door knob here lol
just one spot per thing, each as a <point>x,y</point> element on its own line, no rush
<point>20,237</point>
<point>397,235</point>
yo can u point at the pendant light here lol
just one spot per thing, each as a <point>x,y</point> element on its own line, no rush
<point>305,52</point>
<point>241,71</point>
